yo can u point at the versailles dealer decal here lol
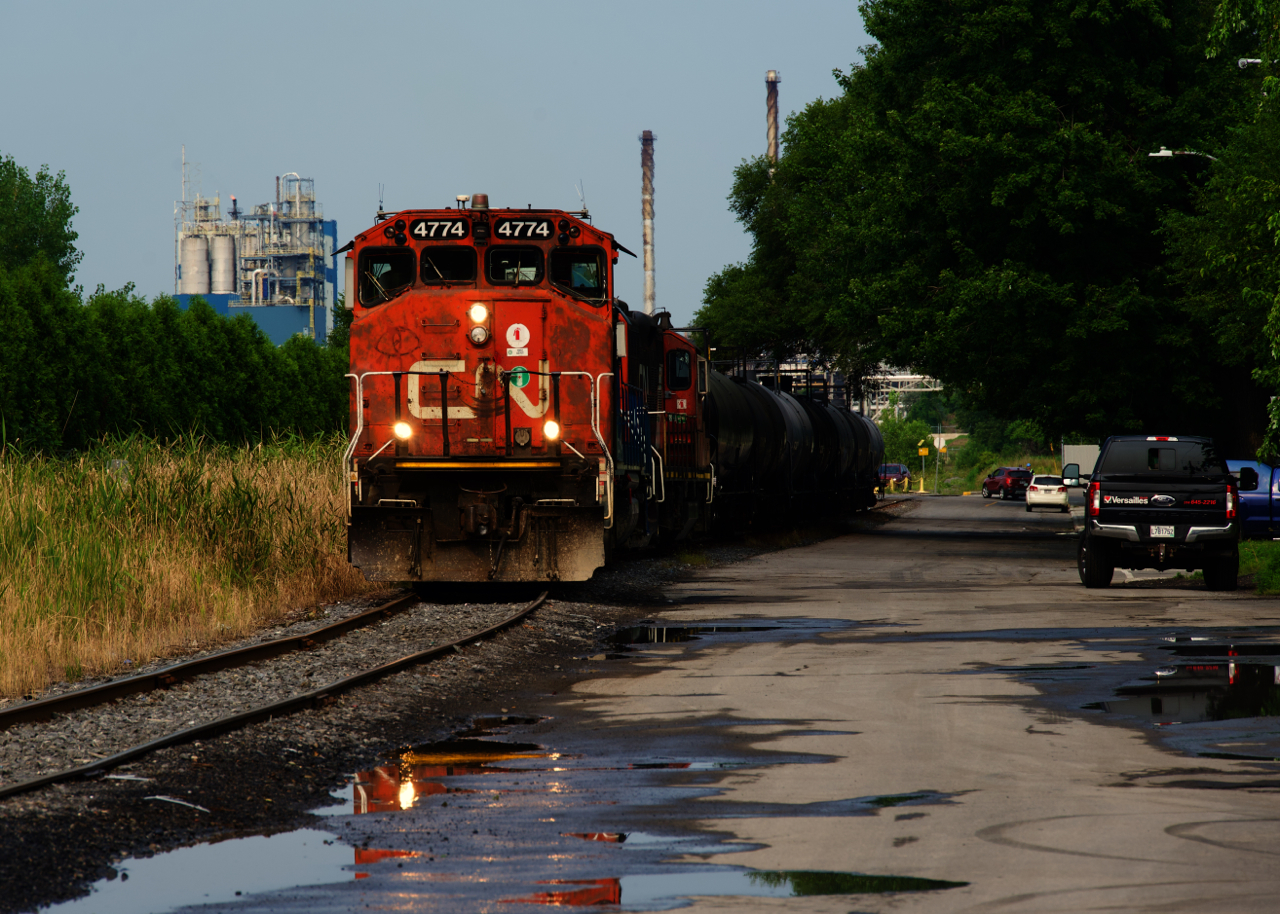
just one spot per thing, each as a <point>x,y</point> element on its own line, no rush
<point>1155,501</point>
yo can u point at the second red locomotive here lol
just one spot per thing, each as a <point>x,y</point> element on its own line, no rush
<point>512,420</point>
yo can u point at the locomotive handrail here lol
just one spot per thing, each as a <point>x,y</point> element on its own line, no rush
<point>595,423</point>
<point>661,478</point>
<point>349,452</point>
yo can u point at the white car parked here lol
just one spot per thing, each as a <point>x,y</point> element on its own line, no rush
<point>1049,492</point>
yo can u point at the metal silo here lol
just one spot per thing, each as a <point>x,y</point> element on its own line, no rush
<point>195,265</point>
<point>223,264</point>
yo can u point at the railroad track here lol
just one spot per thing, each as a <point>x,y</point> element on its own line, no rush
<point>44,709</point>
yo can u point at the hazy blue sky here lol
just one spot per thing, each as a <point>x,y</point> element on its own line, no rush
<point>519,100</point>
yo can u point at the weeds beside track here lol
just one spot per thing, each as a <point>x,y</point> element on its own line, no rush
<point>141,549</point>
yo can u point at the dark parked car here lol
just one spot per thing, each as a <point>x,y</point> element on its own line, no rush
<point>1162,502</point>
<point>896,473</point>
<point>1007,482</point>
<point>1259,506</point>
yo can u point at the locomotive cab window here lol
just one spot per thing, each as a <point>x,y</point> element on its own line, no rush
<point>580,271</point>
<point>679,370</point>
<point>384,273</point>
<point>448,263</point>
<point>509,265</point>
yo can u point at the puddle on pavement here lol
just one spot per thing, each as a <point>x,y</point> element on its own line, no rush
<point>676,634</point>
<point>214,873</point>
<point>1202,649</point>
<point>1198,692</point>
<point>419,773</point>
<point>624,642</point>
<point>667,889</point>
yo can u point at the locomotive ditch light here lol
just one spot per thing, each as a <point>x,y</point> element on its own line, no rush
<point>551,431</point>
<point>479,334</point>
<point>402,430</point>
<point>478,313</point>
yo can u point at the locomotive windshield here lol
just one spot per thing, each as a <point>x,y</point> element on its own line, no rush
<point>384,273</point>
<point>679,370</point>
<point>511,265</point>
<point>580,270</point>
<point>448,264</point>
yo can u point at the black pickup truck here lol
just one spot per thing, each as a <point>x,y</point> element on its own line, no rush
<point>1160,502</point>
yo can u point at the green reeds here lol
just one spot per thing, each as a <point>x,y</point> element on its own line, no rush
<point>143,549</point>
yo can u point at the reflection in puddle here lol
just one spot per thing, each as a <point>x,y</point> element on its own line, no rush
<point>1200,649</point>
<point>389,788</point>
<point>419,772</point>
<point>676,634</point>
<point>648,889</point>
<point>593,891</point>
<point>612,837</point>
<point>1194,692</point>
<point>366,856</point>
<point>212,873</point>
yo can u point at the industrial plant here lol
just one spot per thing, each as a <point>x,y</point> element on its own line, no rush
<point>273,262</point>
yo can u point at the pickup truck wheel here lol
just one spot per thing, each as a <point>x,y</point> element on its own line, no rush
<point>1223,574</point>
<point>1092,563</point>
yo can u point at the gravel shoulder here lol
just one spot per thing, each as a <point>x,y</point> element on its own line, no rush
<point>267,777</point>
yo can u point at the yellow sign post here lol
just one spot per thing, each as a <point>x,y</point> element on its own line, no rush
<point>924,452</point>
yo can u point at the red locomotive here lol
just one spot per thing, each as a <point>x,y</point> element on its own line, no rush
<point>512,420</point>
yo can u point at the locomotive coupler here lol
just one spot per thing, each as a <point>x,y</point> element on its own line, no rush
<point>479,511</point>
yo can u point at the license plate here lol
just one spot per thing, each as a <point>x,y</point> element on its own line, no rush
<point>1161,531</point>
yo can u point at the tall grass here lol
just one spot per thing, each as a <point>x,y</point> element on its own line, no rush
<point>143,549</point>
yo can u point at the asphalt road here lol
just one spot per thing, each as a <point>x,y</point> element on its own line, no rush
<point>934,698</point>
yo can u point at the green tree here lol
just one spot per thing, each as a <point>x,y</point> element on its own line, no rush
<point>35,219</point>
<point>978,203</point>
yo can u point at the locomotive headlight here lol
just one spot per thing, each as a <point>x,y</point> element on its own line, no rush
<point>403,431</point>
<point>478,313</point>
<point>479,334</point>
<point>551,431</point>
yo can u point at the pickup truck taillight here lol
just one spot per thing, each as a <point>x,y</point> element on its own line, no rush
<point>1232,499</point>
<point>1094,500</point>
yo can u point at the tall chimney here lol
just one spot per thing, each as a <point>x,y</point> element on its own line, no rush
<point>771,80</point>
<point>646,214</point>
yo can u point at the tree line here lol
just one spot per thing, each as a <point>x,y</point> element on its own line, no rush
<point>978,202</point>
<point>75,368</point>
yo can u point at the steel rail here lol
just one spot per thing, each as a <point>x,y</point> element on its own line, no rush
<point>317,698</point>
<point>42,709</point>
